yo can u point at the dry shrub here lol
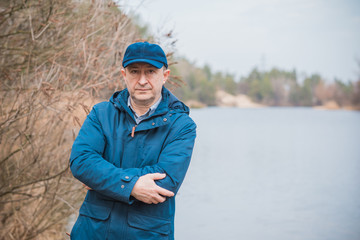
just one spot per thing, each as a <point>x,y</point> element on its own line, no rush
<point>57,58</point>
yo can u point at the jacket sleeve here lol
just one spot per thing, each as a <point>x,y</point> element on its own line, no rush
<point>175,158</point>
<point>88,165</point>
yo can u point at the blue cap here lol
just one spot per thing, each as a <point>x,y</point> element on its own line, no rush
<point>145,52</point>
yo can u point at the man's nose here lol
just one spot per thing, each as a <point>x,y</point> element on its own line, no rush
<point>142,80</point>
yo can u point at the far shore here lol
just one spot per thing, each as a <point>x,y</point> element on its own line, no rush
<point>224,99</point>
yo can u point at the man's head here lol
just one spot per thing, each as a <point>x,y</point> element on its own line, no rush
<point>145,72</point>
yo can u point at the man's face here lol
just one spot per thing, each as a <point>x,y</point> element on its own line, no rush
<point>144,82</point>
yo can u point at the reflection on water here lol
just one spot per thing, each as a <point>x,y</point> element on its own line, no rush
<point>272,173</point>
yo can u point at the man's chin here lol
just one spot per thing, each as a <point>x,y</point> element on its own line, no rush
<point>144,98</point>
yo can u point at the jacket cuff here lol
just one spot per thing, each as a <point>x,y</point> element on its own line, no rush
<point>127,185</point>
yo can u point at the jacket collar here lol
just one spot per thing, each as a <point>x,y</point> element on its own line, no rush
<point>162,116</point>
<point>168,102</point>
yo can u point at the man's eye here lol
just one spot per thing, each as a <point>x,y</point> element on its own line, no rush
<point>133,71</point>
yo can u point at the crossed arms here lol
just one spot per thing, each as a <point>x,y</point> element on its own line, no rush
<point>150,184</point>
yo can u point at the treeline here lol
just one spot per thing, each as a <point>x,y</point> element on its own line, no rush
<point>200,84</point>
<point>282,88</point>
<point>272,88</point>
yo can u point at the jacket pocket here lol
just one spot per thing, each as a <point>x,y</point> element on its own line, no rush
<point>95,211</point>
<point>92,222</point>
<point>148,226</point>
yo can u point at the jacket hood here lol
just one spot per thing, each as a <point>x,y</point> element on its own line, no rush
<point>169,101</point>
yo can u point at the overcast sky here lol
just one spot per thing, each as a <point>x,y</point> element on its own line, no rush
<point>234,36</point>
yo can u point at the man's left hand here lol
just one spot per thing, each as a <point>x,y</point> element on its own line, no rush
<point>146,190</point>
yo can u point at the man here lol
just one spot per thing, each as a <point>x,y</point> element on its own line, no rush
<point>132,153</point>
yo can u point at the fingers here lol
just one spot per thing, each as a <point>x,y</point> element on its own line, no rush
<point>153,199</point>
<point>158,199</point>
<point>146,190</point>
<point>156,176</point>
<point>164,192</point>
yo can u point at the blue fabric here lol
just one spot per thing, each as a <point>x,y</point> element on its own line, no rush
<point>145,52</point>
<point>109,160</point>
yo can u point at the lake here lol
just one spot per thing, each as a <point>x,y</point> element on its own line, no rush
<point>272,173</point>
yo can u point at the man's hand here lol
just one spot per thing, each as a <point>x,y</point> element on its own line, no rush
<point>146,190</point>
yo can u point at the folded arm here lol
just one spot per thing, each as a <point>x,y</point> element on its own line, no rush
<point>173,163</point>
<point>174,159</point>
<point>88,165</point>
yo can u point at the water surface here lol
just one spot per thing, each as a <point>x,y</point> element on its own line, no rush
<point>272,173</point>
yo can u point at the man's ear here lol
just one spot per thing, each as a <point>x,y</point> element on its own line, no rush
<point>166,75</point>
<point>123,73</point>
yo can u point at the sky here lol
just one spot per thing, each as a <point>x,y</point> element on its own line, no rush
<point>235,36</point>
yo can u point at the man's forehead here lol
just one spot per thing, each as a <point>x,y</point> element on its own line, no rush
<point>140,64</point>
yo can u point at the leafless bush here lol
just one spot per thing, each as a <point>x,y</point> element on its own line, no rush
<point>57,57</point>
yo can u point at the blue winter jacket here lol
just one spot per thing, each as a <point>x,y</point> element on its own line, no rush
<point>108,158</point>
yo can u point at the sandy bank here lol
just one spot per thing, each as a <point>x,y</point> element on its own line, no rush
<point>332,105</point>
<point>224,99</point>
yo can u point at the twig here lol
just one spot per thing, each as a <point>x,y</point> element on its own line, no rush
<point>95,32</point>
<point>32,182</point>
<point>31,27</point>
<point>43,30</point>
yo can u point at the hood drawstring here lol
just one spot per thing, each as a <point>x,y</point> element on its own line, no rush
<point>133,131</point>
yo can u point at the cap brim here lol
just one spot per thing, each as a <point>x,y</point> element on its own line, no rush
<point>151,62</point>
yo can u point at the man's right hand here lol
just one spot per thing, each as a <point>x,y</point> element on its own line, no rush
<point>146,190</point>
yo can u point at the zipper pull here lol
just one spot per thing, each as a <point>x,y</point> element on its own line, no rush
<point>133,131</point>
